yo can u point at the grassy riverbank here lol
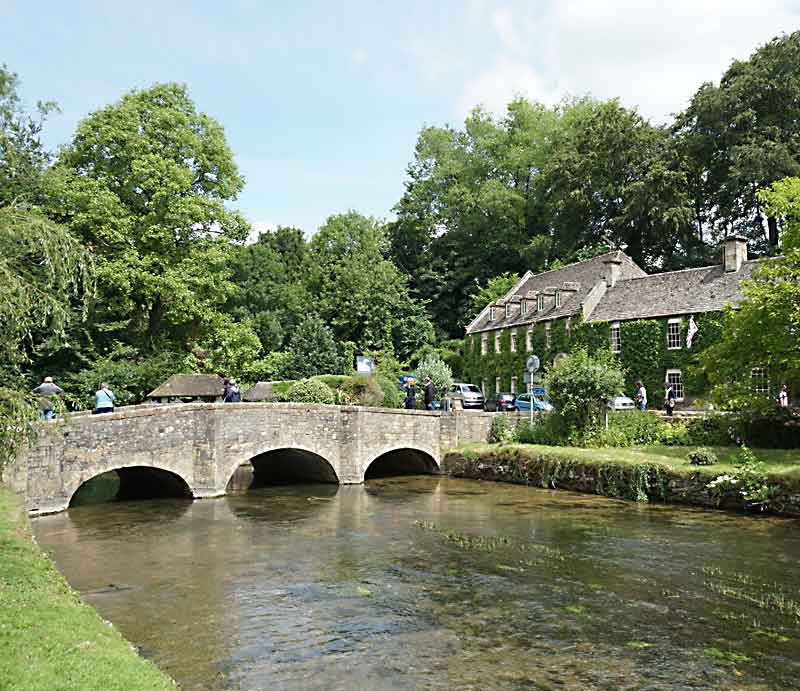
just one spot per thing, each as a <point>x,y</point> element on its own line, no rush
<point>653,472</point>
<point>49,639</point>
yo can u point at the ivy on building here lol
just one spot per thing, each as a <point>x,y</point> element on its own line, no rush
<point>643,342</point>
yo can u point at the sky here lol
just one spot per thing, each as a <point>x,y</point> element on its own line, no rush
<point>322,102</point>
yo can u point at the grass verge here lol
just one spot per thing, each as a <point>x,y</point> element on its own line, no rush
<point>49,638</point>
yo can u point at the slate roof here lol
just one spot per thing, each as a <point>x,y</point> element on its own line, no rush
<point>672,293</point>
<point>190,385</point>
<point>583,275</point>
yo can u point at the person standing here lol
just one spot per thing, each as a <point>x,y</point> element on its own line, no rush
<point>411,395</point>
<point>103,400</point>
<point>783,397</point>
<point>641,396</point>
<point>46,390</point>
<point>430,393</point>
<point>669,399</point>
<point>232,392</point>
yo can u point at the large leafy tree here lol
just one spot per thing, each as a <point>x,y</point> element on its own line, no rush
<point>764,331</point>
<point>144,185</point>
<point>361,293</point>
<point>741,135</point>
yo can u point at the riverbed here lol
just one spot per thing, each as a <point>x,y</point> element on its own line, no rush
<point>439,583</point>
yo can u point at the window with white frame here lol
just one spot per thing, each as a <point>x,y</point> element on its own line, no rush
<point>491,313</point>
<point>540,303</point>
<point>496,341</point>
<point>508,310</point>
<point>513,385</point>
<point>616,344</point>
<point>558,298</point>
<point>513,340</point>
<point>674,334</point>
<point>497,385</point>
<point>759,380</point>
<point>523,306</point>
<point>547,339</point>
<point>675,380</point>
<point>529,340</point>
<point>484,343</point>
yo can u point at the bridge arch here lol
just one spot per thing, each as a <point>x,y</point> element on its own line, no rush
<point>126,482</point>
<point>401,460</point>
<point>281,465</point>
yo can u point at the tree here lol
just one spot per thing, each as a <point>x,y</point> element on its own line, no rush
<point>764,330</point>
<point>580,385</point>
<point>742,135</point>
<point>23,158</point>
<point>314,350</point>
<point>144,185</point>
<point>434,367</point>
<point>359,292</point>
<point>494,289</point>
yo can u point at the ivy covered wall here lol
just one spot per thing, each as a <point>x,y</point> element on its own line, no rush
<point>644,354</point>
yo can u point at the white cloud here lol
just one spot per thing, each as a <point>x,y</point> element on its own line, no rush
<point>651,54</point>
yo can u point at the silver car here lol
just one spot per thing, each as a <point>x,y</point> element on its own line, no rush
<point>471,396</point>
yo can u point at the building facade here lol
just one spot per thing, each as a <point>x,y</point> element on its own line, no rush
<point>610,302</point>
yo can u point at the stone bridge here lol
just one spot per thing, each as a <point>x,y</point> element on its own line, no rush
<point>198,447</point>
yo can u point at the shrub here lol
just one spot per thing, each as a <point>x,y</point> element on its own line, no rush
<point>675,434</point>
<point>434,367</point>
<point>501,431</point>
<point>749,481</point>
<point>392,394</point>
<point>702,456</point>
<point>711,430</point>
<point>310,391</point>
<point>543,430</point>
<point>363,390</point>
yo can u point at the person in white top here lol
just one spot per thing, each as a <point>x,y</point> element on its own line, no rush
<point>641,396</point>
<point>783,397</point>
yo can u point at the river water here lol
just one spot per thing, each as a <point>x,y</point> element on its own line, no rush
<point>438,583</point>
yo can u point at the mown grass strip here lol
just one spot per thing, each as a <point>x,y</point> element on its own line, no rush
<point>49,638</point>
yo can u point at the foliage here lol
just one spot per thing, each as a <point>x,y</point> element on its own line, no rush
<point>313,349</point>
<point>434,367</point>
<point>18,413</point>
<point>230,348</point>
<point>363,390</point>
<point>500,431</point>
<point>702,456</point>
<point>742,135</point>
<point>360,293</point>
<point>310,391</point>
<point>632,428</point>
<point>749,481</point>
<point>46,279</point>
<point>545,429</point>
<point>579,386</point>
<point>143,185</point>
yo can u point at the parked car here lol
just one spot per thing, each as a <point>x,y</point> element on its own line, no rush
<point>471,396</point>
<point>500,401</point>
<point>523,402</point>
<point>621,403</point>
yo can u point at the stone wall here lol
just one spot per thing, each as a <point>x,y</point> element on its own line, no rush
<point>204,443</point>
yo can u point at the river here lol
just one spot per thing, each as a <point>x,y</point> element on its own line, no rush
<point>438,583</point>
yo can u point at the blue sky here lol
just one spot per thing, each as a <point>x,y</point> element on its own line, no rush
<point>322,102</point>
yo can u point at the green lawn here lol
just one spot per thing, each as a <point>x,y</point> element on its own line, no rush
<point>49,639</point>
<point>782,464</point>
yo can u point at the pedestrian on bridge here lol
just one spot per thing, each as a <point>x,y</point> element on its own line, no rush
<point>430,393</point>
<point>46,390</point>
<point>103,400</point>
<point>411,394</point>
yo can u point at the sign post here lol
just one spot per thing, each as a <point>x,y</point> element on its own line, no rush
<point>533,365</point>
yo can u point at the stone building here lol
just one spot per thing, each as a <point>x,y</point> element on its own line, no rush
<point>610,300</point>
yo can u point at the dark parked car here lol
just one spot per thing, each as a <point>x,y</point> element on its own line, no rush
<point>500,401</point>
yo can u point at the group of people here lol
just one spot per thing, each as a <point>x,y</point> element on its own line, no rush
<point>47,391</point>
<point>429,392</point>
<point>670,397</point>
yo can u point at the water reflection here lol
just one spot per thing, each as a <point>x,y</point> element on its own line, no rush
<point>440,583</point>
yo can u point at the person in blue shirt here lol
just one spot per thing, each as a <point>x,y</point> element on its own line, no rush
<point>104,400</point>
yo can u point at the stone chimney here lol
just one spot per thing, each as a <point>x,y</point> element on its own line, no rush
<point>734,252</point>
<point>613,270</point>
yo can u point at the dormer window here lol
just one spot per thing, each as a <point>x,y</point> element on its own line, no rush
<point>491,313</point>
<point>558,298</point>
<point>540,303</point>
<point>508,310</point>
<point>523,307</point>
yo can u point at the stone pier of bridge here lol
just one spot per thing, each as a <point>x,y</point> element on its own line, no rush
<point>203,444</point>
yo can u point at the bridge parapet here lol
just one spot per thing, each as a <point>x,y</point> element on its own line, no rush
<point>204,443</point>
